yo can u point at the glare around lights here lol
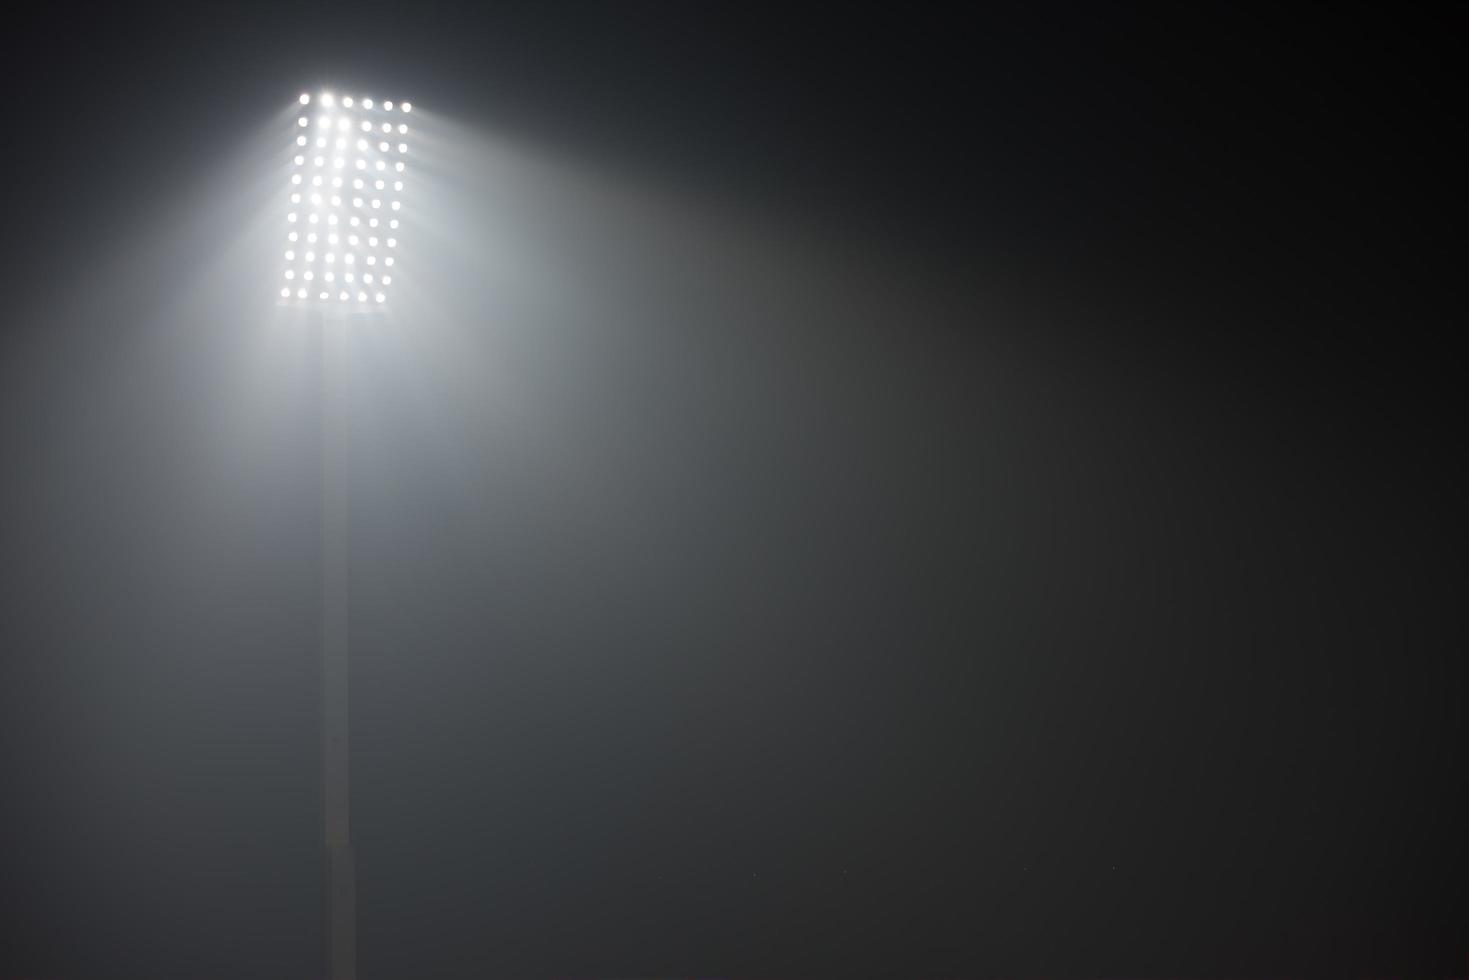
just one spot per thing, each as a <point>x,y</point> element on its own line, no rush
<point>305,99</point>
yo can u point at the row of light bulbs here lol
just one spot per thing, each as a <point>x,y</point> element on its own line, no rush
<point>327,100</point>
<point>344,124</point>
<point>345,296</point>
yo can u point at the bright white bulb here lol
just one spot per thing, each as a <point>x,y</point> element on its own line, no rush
<point>383,146</point>
<point>301,140</point>
<point>308,276</point>
<point>381,165</point>
<point>402,147</point>
<point>326,99</point>
<point>399,166</point>
<point>347,101</point>
<point>356,221</point>
<point>295,198</point>
<point>345,297</point>
<point>299,160</point>
<point>323,121</point>
<point>301,293</point>
<point>366,126</point>
<point>329,276</point>
<point>336,201</point>
<point>303,121</point>
<point>362,144</point>
<point>388,260</point>
<point>324,295</point>
<point>361,164</point>
<point>313,218</point>
<point>290,256</point>
<point>387,127</point>
<point>291,216</point>
<point>332,238</point>
<point>290,273</point>
<point>331,219</point>
<point>285,292</point>
<point>316,200</point>
<point>367,103</point>
<point>318,161</point>
<point>336,182</point>
<point>372,222</point>
<point>311,237</point>
<point>362,297</point>
<point>392,243</point>
<point>305,99</point>
<point>380,297</point>
<point>387,280</point>
<point>387,107</point>
<point>406,107</point>
<point>357,202</point>
<point>403,129</point>
<point>372,260</point>
<point>397,185</point>
<point>292,237</point>
<point>310,256</point>
<point>316,181</point>
<point>397,205</point>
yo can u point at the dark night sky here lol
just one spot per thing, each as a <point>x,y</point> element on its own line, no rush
<point>953,498</point>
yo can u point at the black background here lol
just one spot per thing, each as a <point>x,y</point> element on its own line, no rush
<point>1095,610</point>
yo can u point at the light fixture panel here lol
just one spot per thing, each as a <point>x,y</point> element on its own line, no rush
<point>344,201</point>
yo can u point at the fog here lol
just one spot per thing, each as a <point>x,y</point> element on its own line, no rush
<point>737,585</point>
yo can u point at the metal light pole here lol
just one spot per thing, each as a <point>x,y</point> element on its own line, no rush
<point>348,170</point>
<point>341,892</point>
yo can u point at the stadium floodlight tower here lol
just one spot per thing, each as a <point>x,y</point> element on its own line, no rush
<point>341,242</point>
